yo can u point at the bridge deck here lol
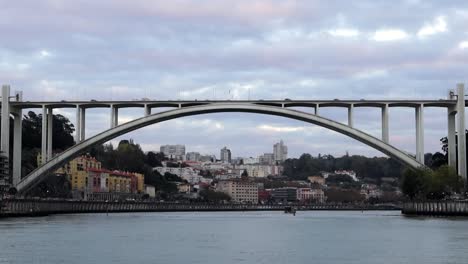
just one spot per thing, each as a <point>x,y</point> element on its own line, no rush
<point>185,103</point>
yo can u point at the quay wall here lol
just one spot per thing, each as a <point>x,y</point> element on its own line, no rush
<point>33,207</point>
<point>439,208</point>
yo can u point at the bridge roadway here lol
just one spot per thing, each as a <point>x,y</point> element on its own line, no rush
<point>286,103</point>
<point>39,207</point>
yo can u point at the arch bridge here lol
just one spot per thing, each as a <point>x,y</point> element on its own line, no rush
<point>13,106</point>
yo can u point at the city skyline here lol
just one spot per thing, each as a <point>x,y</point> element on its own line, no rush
<point>261,50</point>
<point>179,150</point>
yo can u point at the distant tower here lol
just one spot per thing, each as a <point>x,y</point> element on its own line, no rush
<point>280,151</point>
<point>225,155</point>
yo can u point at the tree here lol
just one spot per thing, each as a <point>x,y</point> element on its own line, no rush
<point>54,186</point>
<point>172,177</point>
<point>444,181</point>
<point>415,182</point>
<point>213,196</point>
<point>62,131</point>
<point>161,183</point>
<point>426,184</point>
<point>444,142</point>
<point>374,168</point>
<point>245,174</point>
<point>62,138</point>
<point>155,159</point>
<point>337,195</point>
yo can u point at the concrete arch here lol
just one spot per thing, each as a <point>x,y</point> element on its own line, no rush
<point>40,173</point>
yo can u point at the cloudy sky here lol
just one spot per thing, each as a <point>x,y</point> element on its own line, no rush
<point>223,49</point>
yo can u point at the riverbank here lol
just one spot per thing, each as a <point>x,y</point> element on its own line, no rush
<point>440,208</point>
<point>36,207</point>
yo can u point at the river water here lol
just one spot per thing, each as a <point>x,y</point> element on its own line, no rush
<point>234,237</point>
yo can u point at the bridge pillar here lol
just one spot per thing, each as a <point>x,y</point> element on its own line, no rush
<point>317,108</point>
<point>451,137</point>
<point>385,127</point>
<point>17,145</point>
<point>351,115</point>
<point>147,110</point>
<point>461,131</point>
<point>78,125</point>
<point>420,133</point>
<point>114,116</point>
<point>44,136</point>
<point>5,125</point>
<point>83,123</point>
<point>50,133</point>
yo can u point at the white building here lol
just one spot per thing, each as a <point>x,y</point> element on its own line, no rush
<point>260,171</point>
<point>173,151</point>
<point>250,160</point>
<point>189,174</point>
<point>371,191</point>
<point>311,195</point>
<point>240,191</point>
<point>225,155</point>
<point>207,158</point>
<point>192,156</point>
<point>267,159</point>
<point>150,190</point>
<point>350,173</point>
<point>280,151</point>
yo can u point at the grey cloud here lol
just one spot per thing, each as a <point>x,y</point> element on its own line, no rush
<point>268,49</point>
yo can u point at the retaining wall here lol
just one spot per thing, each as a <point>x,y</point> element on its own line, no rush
<point>442,208</point>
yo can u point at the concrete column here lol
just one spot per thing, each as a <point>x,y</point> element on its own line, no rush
<point>78,125</point>
<point>44,136</point>
<point>147,110</point>
<point>451,138</point>
<point>351,115</point>
<point>114,116</point>
<point>317,108</point>
<point>50,133</point>
<point>461,131</point>
<point>17,146</point>
<point>5,125</point>
<point>83,123</point>
<point>420,133</point>
<point>385,126</point>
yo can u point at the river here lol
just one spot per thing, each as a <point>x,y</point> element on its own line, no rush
<point>234,237</point>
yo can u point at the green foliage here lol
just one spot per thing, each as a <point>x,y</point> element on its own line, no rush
<point>155,159</point>
<point>32,129</point>
<point>444,181</point>
<point>206,174</point>
<point>427,184</point>
<point>161,183</point>
<point>415,182</point>
<point>172,177</point>
<point>339,178</point>
<point>213,196</point>
<point>245,173</point>
<point>128,156</point>
<point>62,131</point>
<point>53,186</point>
<point>335,195</point>
<point>375,168</point>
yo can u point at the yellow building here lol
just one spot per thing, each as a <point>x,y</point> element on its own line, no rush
<point>120,182</point>
<point>316,179</point>
<point>140,186</point>
<point>77,170</point>
<point>85,173</point>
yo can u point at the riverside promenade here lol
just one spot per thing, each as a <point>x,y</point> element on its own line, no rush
<point>41,207</point>
<point>437,208</point>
